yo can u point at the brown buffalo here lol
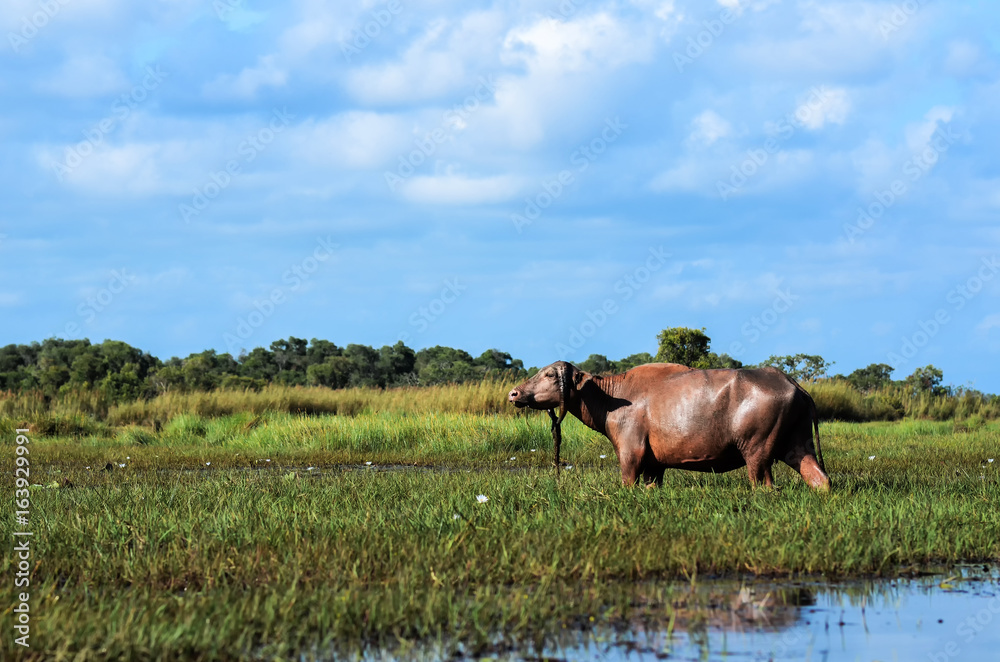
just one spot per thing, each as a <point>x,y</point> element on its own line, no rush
<point>664,415</point>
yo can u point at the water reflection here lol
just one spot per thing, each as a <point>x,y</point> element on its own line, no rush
<point>942,618</point>
<point>948,617</point>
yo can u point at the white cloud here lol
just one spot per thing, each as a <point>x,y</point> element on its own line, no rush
<point>436,65</point>
<point>569,76</point>
<point>689,175</point>
<point>988,323</point>
<point>919,134</point>
<point>593,42</point>
<point>708,127</point>
<point>351,140</point>
<point>963,58</point>
<point>461,190</point>
<point>127,170</point>
<point>824,105</point>
<point>84,76</point>
<point>874,162</point>
<point>245,84</point>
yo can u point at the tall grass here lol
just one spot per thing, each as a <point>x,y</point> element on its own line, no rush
<point>838,400</point>
<point>83,413</point>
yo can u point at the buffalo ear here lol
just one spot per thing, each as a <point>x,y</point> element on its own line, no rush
<point>579,377</point>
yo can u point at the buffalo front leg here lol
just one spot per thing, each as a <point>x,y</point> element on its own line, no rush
<point>807,466</point>
<point>630,463</point>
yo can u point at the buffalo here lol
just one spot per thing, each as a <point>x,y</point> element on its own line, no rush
<point>664,415</point>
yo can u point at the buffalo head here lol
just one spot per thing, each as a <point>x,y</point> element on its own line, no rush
<point>553,386</point>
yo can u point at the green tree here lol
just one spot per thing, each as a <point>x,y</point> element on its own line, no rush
<point>441,365</point>
<point>874,376</point>
<point>632,361</point>
<point>168,377</point>
<point>683,345</point>
<point>396,363</point>
<point>598,364</point>
<point>124,384</point>
<point>88,368</point>
<point>926,380</point>
<point>721,361</point>
<point>290,354</point>
<point>806,367</point>
<point>364,365</point>
<point>691,347</point>
<point>205,371</point>
<point>259,364</point>
<point>335,372</point>
<point>320,350</point>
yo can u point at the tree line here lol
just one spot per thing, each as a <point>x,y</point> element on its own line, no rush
<point>123,372</point>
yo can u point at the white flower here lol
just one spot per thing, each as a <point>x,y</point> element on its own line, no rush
<point>128,457</point>
<point>532,450</point>
<point>122,465</point>
<point>603,456</point>
<point>569,466</point>
<point>208,464</point>
<point>990,460</point>
<point>482,498</point>
<point>512,459</point>
<point>871,457</point>
<point>455,516</point>
<point>310,468</point>
<point>268,460</point>
<point>86,467</point>
<point>368,464</point>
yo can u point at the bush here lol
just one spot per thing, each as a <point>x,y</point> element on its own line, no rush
<point>133,435</point>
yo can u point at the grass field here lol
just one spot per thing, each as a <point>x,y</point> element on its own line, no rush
<point>264,535</point>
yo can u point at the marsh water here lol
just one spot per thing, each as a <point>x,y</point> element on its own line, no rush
<point>953,616</point>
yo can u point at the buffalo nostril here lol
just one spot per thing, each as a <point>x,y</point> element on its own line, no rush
<point>513,394</point>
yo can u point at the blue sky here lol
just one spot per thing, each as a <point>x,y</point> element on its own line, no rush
<point>551,178</point>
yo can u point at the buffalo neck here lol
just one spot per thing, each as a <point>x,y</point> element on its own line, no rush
<point>595,399</point>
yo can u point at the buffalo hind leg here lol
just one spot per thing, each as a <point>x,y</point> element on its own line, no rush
<point>808,468</point>
<point>653,475</point>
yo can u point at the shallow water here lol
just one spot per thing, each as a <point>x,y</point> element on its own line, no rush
<point>942,618</point>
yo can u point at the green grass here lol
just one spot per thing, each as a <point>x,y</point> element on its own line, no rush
<point>171,559</point>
